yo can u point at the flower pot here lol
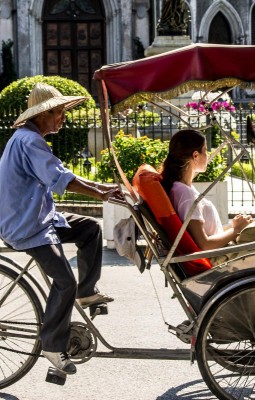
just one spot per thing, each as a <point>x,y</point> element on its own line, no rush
<point>112,214</point>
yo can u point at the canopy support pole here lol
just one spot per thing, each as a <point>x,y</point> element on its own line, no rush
<point>103,104</point>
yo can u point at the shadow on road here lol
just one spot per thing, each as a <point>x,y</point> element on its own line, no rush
<point>6,396</point>
<point>194,390</point>
<point>110,258</point>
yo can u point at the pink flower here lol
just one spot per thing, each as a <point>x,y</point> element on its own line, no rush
<point>216,106</point>
<point>192,105</point>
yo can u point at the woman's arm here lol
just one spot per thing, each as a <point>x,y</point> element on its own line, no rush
<point>205,242</point>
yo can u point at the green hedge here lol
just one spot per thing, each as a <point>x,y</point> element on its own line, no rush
<point>72,138</point>
<point>236,171</point>
<point>14,96</point>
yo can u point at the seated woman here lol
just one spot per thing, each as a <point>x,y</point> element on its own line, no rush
<point>188,157</point>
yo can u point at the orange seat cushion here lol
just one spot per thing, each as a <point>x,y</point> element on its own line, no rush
<point>147,184</point>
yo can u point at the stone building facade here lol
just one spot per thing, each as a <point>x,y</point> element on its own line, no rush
<point>72,38</point>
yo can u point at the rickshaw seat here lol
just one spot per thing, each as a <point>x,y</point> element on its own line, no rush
<point>144,211</point>
<point>147,183</point>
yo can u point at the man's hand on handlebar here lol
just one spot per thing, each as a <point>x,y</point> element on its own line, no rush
<point>111,191</point>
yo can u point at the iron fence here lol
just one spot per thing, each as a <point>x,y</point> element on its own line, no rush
<point>81,140</point>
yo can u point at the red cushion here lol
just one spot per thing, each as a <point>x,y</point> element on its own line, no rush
<point>147,183</point>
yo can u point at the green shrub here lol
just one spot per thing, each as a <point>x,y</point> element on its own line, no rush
<point>216,136</point>
<point>218,163</point>
<point>14,96</point>
<point>132,152</point>
<point>74,135</point>
<point>143,118</point>
<point>236,171</point>
<point>213,170</point>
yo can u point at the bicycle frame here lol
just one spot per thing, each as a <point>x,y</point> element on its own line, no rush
<point>113,352</point>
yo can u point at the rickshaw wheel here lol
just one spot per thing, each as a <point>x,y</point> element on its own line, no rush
<point>225,346</point>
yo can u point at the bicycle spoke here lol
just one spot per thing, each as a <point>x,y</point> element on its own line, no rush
<point>20,322</point>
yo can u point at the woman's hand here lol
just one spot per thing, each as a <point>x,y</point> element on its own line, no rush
<point>241,221</point>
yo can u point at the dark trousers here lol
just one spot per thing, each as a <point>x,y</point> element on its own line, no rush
<point>86,233</point>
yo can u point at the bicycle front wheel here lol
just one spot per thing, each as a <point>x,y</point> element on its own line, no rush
<point>225,347</point>
<point>20,322</point>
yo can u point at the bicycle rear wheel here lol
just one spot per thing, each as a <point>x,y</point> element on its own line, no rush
<point>225,347</point>
<point>20,322</point>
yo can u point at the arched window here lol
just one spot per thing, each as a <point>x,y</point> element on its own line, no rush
<point>220,31</point>
<point>74,39</point>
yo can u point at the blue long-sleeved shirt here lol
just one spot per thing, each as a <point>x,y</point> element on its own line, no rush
<point>29,173</point>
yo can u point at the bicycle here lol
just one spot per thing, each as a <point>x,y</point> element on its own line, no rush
<point>22,300</point>
<point>210,300</point>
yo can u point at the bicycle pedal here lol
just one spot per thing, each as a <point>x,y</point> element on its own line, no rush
<point>55,376</point>
<point>98,309</point>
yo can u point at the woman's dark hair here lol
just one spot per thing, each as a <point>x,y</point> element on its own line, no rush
<point>181,147</point>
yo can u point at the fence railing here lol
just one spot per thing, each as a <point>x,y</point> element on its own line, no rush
<point>81,140</point>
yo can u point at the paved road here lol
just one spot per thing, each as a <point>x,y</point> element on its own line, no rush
<point>134,320</point>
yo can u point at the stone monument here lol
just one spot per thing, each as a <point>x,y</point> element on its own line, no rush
<point>172,28</point>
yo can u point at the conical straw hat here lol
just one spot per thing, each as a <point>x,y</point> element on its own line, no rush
<point>45,97</point>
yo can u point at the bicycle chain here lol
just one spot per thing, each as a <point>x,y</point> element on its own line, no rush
<point>20,323</point>
<point>20,352</point>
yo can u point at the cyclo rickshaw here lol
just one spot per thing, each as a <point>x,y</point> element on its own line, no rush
<point>218,302</point>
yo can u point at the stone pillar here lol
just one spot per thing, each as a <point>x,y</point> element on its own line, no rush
<point>162,44</point>
<point>141,26</point>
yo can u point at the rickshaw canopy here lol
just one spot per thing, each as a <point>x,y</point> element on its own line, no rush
<point>203,67</point>
<point>195,67</point>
